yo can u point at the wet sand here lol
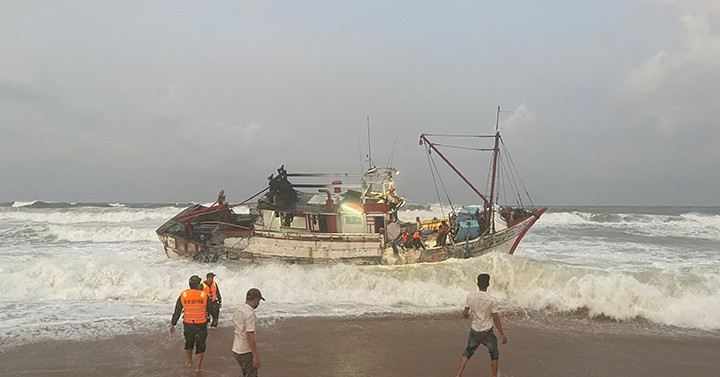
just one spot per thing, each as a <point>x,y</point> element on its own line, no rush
<point>387,346</point>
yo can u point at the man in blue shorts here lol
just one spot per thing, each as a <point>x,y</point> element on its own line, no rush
<point>483,309</point>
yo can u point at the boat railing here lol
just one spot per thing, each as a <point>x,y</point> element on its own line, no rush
<point>303,236</point>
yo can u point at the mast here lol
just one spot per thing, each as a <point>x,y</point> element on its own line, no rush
<point>496,150</point>
<point>370,161</point>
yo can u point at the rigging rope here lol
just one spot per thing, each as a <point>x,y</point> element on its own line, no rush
<point>519,178</point>
<point>432,173</point>
<point>447,196</point>
<point>512,177</point>
<point>392,154</point>
<point>452,135</point>
<point>464,148</point>
<point>246,200</point>
<point>431,165</point>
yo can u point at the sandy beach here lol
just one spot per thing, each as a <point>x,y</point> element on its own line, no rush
<point>386,346</point>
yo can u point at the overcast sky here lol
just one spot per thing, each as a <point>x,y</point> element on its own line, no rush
<point>608,102</point>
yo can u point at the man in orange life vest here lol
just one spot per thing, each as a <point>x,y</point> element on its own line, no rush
<point>210,287</point>
<point>194,303</point>
<point>417,240</point>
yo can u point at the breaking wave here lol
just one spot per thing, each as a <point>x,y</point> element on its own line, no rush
<point>678,297</point>
<point>624,264</point>
<point>693,224</point>
<point>40,204</point>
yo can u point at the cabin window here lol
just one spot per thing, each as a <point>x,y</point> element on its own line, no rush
<point>379,223</point>
<point>175,229</point>
<point>352,220</point>
<point>324,223</point>
<point>290,220</point>
<point>353,224</point>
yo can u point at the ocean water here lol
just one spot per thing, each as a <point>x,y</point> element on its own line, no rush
<point>90,271</point>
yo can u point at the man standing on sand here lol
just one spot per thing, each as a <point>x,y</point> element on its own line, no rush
<point>244,348</point>
<point>193,303</point>
<point>210,287</point>
<point>484,311</point>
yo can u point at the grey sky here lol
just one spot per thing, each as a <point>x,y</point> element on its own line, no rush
<point>609,102</point>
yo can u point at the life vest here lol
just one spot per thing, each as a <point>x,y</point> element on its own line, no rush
<point>417,235</point>
<point>404,237</point>
<point>194,302</point>
<point>210,290</point>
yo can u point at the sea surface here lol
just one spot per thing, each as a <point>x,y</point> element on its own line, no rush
<point>90,271</point>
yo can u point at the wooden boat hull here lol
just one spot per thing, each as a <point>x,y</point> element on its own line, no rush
<point>330,248</point>
<point>504,241</point>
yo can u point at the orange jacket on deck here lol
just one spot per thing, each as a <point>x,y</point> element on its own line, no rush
<point>194,302</point>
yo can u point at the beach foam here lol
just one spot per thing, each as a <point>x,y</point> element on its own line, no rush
<point>648,266</point>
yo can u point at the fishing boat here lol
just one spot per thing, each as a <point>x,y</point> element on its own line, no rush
<point>322,218</point>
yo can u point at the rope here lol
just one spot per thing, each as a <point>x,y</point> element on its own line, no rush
<point>246,200</point>
<point>464,148</point>
<point>451,135</point>
<point>392,153</point>
<point>432,173</point>
<point>442,210</point>
<point>519,178</point>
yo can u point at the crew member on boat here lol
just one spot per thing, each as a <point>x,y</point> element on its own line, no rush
<point>417,240</point>
<point>220,200</point>
<point>442,233</point>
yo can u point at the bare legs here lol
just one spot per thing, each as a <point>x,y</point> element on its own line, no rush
<point>189,358</point>
<point>464,360</point>
<point>199,360</point>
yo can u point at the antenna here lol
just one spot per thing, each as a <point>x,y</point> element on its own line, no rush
<point>370,161</point>
<point>392,153</point>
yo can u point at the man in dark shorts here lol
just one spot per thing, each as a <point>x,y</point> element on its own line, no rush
<point>483,309</point>
<point>193,303</point>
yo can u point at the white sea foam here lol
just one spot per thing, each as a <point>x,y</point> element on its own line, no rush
<point>565,218</point>
<point>18,204</point>
<point>99,234</point>
<point>685,225</point>
<point>657,295</point>
<point>109,262</point>
<point>91,215</point>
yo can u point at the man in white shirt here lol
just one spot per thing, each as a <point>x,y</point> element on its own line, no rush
<point>484,311</point>
<point>244,348</point>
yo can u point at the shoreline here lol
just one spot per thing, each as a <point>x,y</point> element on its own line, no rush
<point>382,346</point>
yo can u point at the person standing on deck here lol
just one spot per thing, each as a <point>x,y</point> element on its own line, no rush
<point>193,303</point>
<point>244,348</point>
<point>220,200</point>
<point>483,308</point>
<point>393,233</point>
<point>417,240</point>
<point>210,287</point>
<point>442,233</point>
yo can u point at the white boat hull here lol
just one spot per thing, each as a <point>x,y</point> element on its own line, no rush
<point>329,248</point>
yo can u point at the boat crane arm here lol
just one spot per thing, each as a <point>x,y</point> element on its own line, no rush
<point>424,139</point>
